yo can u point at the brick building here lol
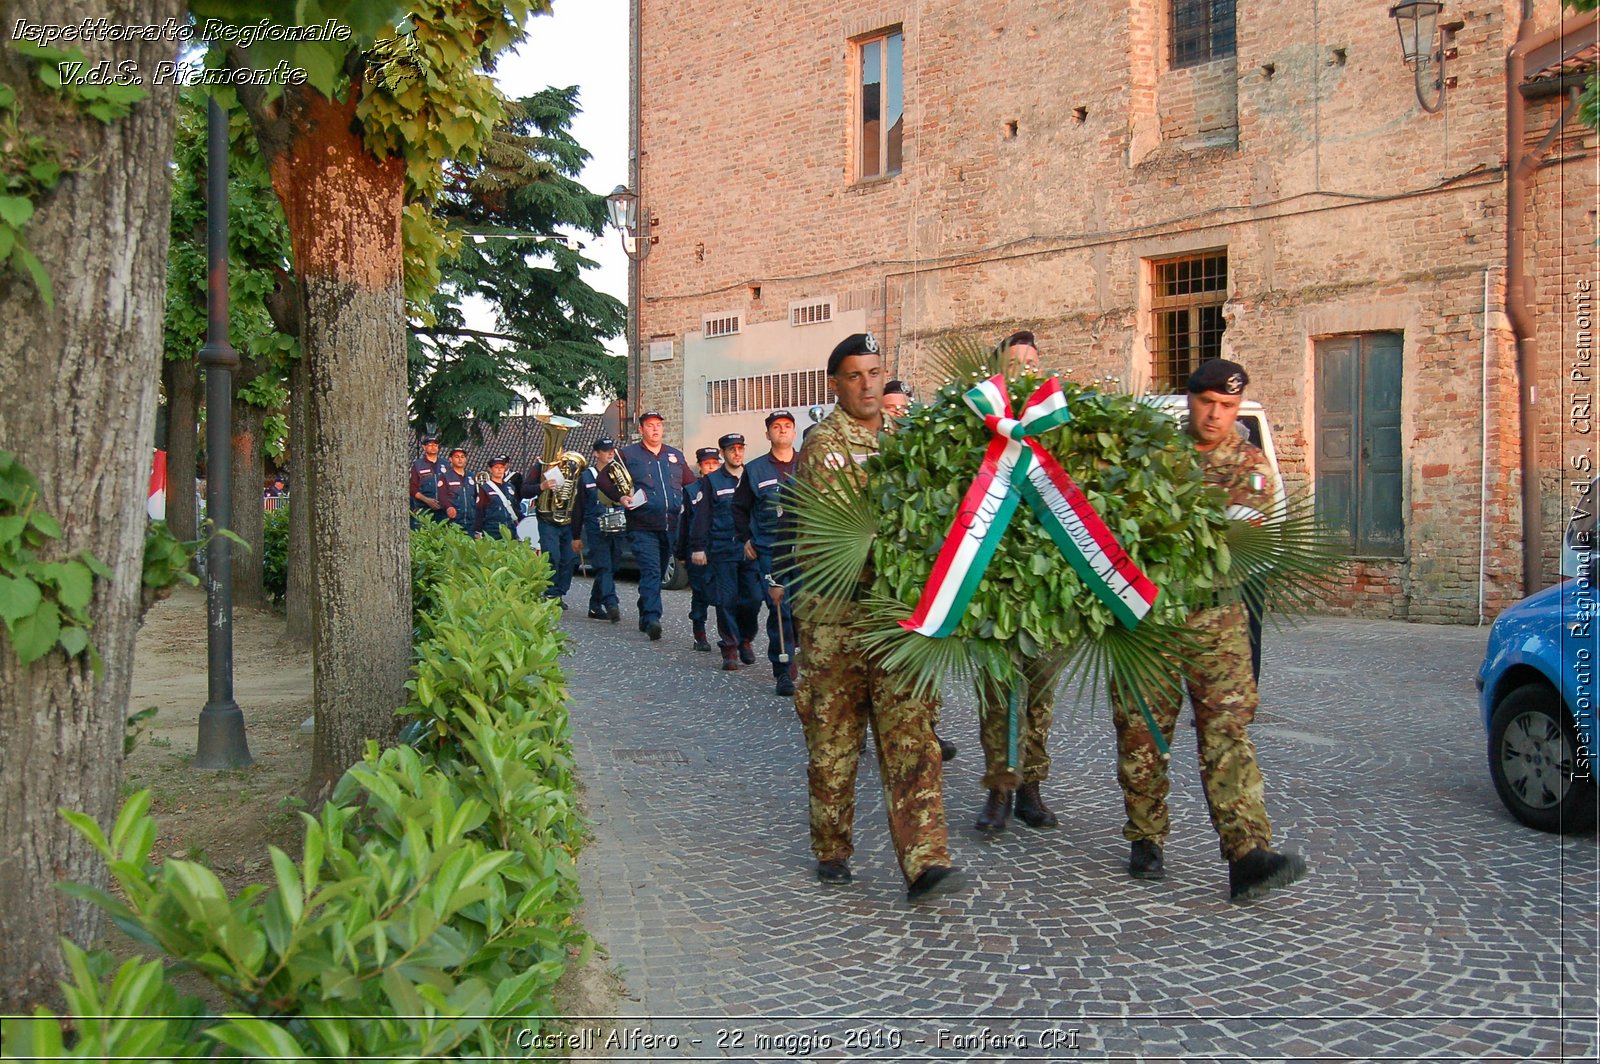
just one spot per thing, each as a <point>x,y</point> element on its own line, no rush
<point>1143,184</point>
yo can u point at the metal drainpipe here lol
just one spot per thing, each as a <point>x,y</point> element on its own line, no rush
<point>1517,313</point>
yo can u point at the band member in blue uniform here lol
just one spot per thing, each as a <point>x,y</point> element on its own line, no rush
<point>496,505</point>
<point>737,588</point>
<point>757,517</point>
<point>458,492</point>
<point>660,473</point>
<point>701,578</point>
<point>425,473</point>
<point>599,517</point>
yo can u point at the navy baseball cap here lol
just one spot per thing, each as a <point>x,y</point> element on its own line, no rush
<point>459,447</point>
<point>730,439</point>
<point>648,414</point>
<point>605,443</point>
<point>779,415</point>
<point>500,459</point>
<point>854,344</point>
<point>1218,375</point>
<point>429,438</point>
<point>705,453</point>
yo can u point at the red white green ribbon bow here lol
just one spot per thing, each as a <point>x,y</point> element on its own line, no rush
<point>1016,467</point>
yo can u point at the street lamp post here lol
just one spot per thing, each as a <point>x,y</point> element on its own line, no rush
<point>634,223</point>
<point>221,743</point>
<point>1422,47</point>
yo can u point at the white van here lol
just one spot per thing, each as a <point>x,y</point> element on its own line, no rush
<point>1252,425</point>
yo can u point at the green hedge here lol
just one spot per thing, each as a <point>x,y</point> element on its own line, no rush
<point>431,911</point>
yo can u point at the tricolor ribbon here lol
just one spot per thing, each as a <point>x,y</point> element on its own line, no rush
<point>1015,467</point>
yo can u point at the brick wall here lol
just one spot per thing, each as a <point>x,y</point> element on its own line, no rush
<point>1049,152</point>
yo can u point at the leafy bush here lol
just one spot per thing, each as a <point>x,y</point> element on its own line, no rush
<point>275,553</point>
<point>431,911</point>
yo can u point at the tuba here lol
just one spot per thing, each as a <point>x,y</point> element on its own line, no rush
<point>556,503</point>
<point>615,484</point>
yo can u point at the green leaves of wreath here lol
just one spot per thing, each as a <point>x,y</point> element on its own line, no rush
<point>1139,470</point>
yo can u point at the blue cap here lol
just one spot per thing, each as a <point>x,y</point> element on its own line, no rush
<point>605,443</point>
<point>705,453</point>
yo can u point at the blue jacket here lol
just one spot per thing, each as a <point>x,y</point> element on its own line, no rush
<point>695,499</point>
<point>662,477</point>
<point>758,507</point>
<point>462,493</point>
<point>493,515</point>
<point>712,529</point>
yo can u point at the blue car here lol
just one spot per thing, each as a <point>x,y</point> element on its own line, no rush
<point>1537,690</point>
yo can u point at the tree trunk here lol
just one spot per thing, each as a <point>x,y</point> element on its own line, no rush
<point>248,523</point>
<point>298,596</point>
<point>182,416</point>
<point>77,406</point>
<point>343,208</point>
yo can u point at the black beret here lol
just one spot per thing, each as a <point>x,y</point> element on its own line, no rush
<point>854,344</point>
<point>707,452</point>
<point>896,387</point>
<point>1021,336</point>
<point>731,439</point>
<point>605,443</point>
<point>779,415</point>
<point>1219,375</point>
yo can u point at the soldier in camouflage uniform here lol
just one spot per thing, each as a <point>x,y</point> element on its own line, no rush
<point>1219,680</point>
<point>841,690</point>
<point>1000,777</point>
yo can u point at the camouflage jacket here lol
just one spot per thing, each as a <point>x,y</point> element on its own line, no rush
<point>1241,470</point>
<point>836,450</point>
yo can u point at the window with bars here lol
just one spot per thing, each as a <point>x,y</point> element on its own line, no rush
<point>768,391</point>
<point>1186,298</point>
<point>1202,30</point>
<point>881,102</point>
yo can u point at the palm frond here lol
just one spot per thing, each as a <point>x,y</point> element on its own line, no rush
<point>922,661</point>
<point>1285,564</point>
<point>831,536</point>
<point>1143,665</point>
<point>964,360</point>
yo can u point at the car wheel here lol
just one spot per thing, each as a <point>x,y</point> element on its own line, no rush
<point>676,576</point>
<point>1533,755</point>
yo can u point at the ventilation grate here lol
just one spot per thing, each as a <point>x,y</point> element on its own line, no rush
<point>815,312</point>
<point>720,325</point>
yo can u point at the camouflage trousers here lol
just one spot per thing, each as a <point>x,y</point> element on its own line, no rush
<point>839,693</point>
<point>1225,700</point>
<point>1033,724</point>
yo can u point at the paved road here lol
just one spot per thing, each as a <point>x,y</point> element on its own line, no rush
<point>1432,927</point>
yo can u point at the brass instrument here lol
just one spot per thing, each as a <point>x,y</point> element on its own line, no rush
<point>615,484</point>
<point>556,503</point>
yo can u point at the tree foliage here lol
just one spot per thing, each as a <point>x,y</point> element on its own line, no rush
<point>549,323</point>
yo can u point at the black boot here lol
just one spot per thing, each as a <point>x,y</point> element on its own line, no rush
<point>747,653</point>
<point>996,811</point>
<point>700,641</point>
<point>1261,870</point>
<point>1145,861</point>
<point>936,880</point>
<point>1031,809</point>
<point>730,659</point>
<point>833,872</point>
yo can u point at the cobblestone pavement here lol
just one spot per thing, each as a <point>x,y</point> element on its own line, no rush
<point>1432,925</point>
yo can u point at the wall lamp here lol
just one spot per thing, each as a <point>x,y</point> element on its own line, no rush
<point>1422,46</point>
<point>622,207</point>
